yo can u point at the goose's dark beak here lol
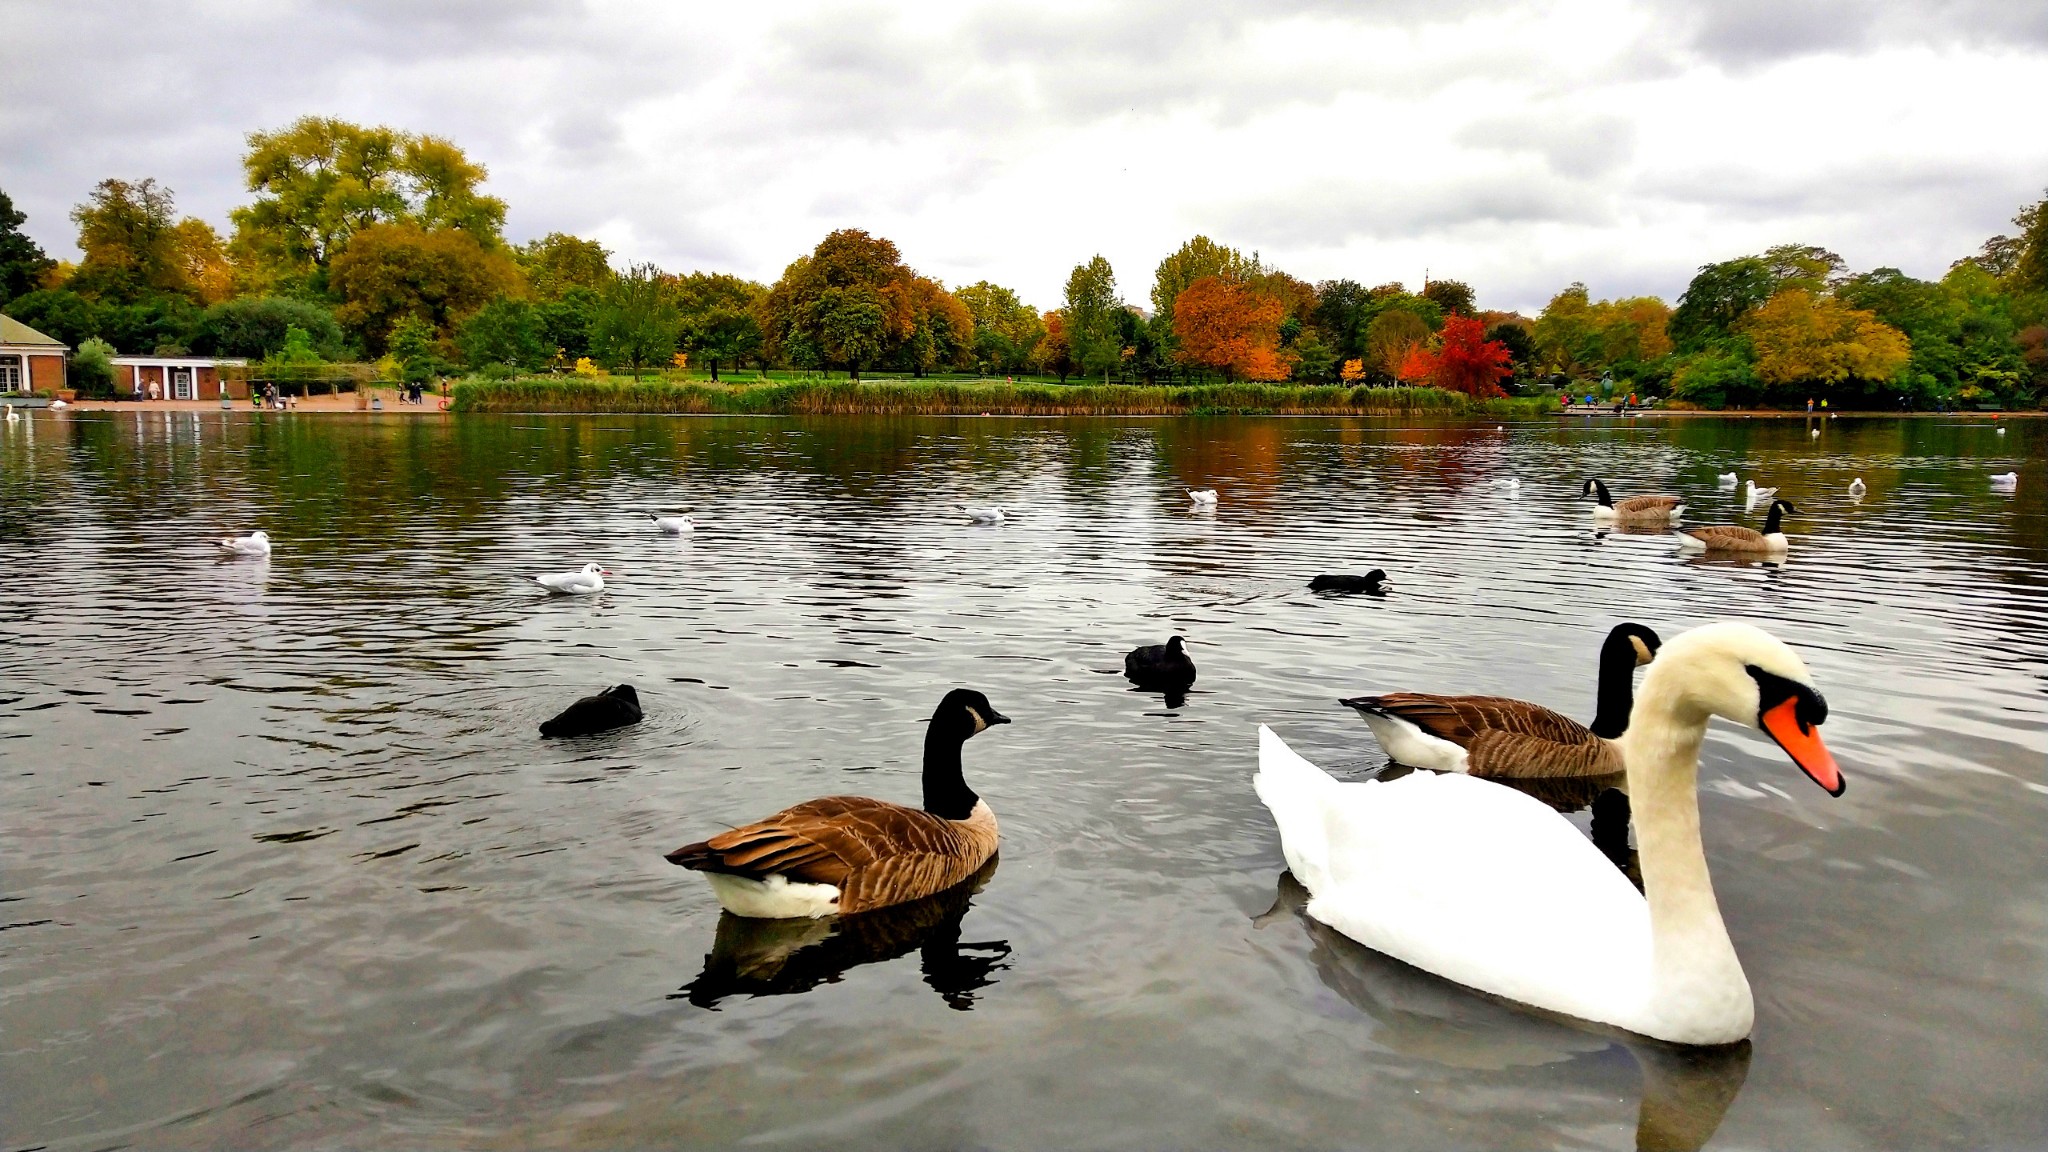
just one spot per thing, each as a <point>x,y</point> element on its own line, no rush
<point>995,717</point>
<point>1802,743</point>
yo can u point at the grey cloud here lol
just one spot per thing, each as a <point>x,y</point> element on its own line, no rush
<point>1742,33</point>
<point>1572,144</point>
<point>1336,213</point>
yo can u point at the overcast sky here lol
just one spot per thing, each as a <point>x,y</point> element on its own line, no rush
<point>1516,146</point>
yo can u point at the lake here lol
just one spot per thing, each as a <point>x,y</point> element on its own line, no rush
<point>287,865</point>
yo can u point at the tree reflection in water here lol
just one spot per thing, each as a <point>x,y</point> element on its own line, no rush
<point>785,957</point>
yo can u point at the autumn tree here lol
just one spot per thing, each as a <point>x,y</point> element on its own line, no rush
<point>23,264</point>
<point>1389,339</point>
<point>1464,360</point>
<point>1093,316</point>
<point>637,325</point>
<point>1231,328</point>
<point>1804,338</point>
<point>1053,354</point>
<point>1006,330</point>
<point>717,313</point>
<point>320,181</point>
<point>394,270</point>
<point>1198,258</point>
<point>942,329</point>
<point>557,262</point>
<point>129,233</point>
<point>850,303</point>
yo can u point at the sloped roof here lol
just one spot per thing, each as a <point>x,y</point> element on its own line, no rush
<point>13,331</point>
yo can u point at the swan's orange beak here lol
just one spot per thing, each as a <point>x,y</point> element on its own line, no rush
<point>1802,742</point>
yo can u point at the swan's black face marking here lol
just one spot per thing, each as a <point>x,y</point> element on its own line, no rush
<point>1772,690</point>
<point>1791,714</point>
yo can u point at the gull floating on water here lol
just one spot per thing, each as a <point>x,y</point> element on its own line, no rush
<point>993,514</point>
<point>1857,487</point>
<point>585,581</point>
<point>1202,495</point>
<point>1726,479</point>
<point>1816,433</point>
<point>254,544</point>
<point>674,525</point>
<point>2008,482</point>
<point>1755,495</point>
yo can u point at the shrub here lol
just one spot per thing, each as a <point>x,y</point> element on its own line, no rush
<point>92,369</point>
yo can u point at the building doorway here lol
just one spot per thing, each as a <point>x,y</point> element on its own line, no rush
<point>181,385</point>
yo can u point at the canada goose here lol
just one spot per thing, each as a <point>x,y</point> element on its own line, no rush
<point>254,544</point>
<point>1160,665</point>
<point>1202,495</point>
<point>1725,479</point>
<point>1736,538</point>
<point>1497,736</point>
<point>2007,482</point>
<point>845,854</point>
<point>673,525</point>
<point>1524,907</point>
<point>1753,495</point>
<point>1637,509</point>
<point>993,514</point>
<point>585,581</point>
<point>612,708</point>
<point>1373,583</point>
<point>1857,487</point>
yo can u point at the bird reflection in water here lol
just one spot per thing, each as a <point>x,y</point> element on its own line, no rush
<point>786,957</point>
<point>1686,1091</point>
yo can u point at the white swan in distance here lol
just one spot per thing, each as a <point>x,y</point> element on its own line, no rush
<point>1202,495</point>
<point>1816,433</point>
<point>1857,487</point>
<point>1753,495</point>
<point>993,514</point>
<point>585,581</point>
<point>12,415</point>
<point>254,544</point>
<point>1726,479</point>
<point>674,525</point>
<point>1489,887</point>
<point>2006,482</point>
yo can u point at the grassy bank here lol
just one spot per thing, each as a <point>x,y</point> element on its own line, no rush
<point>941,398</point>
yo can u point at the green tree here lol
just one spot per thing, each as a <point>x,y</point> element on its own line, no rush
<point>1719,296</point>
<point>1314,361</point>
<point>505,331</point>
<point>2029,272</point>
<point>92,369</point>
<point>59,313</point>
<point>1093,315</point>
<point>1192,261</point>
<point>1454,297</point>
<point>565,323</point>
<point>393,270</point>
<point>1342,311</point>
<point>412,345</point>
<point>557,262</point>
<point>319,181</point>
<point>22,262</point>
<point>129,233</point>
<point>1521,346</point>
<point>637,323</point>
<point>1006,330</point>
<point>255,327</point>
<point>851,302</point>
<point>718,317</point>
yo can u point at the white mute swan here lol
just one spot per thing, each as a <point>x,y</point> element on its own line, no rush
<point>1488,887</point>
<point>585,581</point>
<point>1725,479</point>
<point>2006,482</point>
<point>254,544</point>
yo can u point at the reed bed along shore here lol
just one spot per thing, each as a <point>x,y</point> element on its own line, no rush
<point>952,398</point>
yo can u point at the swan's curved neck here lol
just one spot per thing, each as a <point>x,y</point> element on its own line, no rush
<point>1696,977</point>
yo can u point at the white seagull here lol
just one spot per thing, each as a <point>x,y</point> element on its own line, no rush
<point>1726,479</point>
<point>585,581</point>
<point>2008,482</point>
<point>254,544</point>
<point>1816,433</point>
<point>674,525</point>
<point>1857,487</point>
<point>1202,495</point>
<point>1755,495</point>
<point>993,514</point>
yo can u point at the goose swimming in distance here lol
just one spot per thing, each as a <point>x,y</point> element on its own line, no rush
<point>1498,736</point>
<point>2007,482</point>
<point>1490,888</point>
<point>992,514</point>
<point>1373,583</point>
<point>1634,509</point>
<point>673,525</point>
<point>1202,495</point>
<point>846,854</point>
<point>1735,538</point>
<point>254,544</point>
<point>1857,488</point>
<point>614,707</point>
<point>1753,495</point>
<point>585,581</point>
<point>1726,479</point>
<point>1165,665</point>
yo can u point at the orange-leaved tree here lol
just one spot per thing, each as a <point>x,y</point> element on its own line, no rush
<point>1231,328</point>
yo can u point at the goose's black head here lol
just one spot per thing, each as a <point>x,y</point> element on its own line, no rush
<point>1638,643</point>
<point>1627,647</point>
<point>965,713</point>
<point>1596,489</point>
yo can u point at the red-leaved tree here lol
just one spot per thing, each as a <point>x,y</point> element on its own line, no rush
<point>1464,360</point>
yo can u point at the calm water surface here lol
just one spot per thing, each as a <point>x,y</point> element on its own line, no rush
<point>287,866</point>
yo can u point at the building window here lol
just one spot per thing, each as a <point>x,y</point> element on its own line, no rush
<point>11,379</point>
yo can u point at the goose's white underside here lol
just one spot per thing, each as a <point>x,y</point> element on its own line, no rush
<point>776,898</point>
<point>1479,884</point>
<point>1409,744</point>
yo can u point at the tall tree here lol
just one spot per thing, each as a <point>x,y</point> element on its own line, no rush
<point>1093,315</point>
<point>319,181</point>
<point>1341,314</point>
<point>505,331</point>
<point>1231,328</point>
<point>718,320</point>
<point>129,233</point>
<point>1453,296</point>
<point>637,323</point>
<point>1464,360</point>
<point>1006,329</point>
<point>1804,338</point>
<point>255,327</point>
<point>2029,272</point>
<point>394,270</point>
<point>558,262</point>
<point>849,303</point>
<point>1192,261</point>
<point>942,329</point>
<point>23,263</point>
<point>1391,336</point>
<point>1053,353</point>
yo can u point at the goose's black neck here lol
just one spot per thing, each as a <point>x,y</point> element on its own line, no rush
<point>1772,521</point>
<point>1600,489</point>
<point>946,793</point>
<point>1617,688</point>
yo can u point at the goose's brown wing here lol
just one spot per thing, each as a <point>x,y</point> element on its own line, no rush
<point>876,853</point>
<point>1728,538</point>
<point>1646,505</point>
<point>1507,737</point>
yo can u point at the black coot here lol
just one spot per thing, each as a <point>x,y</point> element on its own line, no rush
<point>1373,583</point>
<point>1157,666</point>
<point>611,708</point>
